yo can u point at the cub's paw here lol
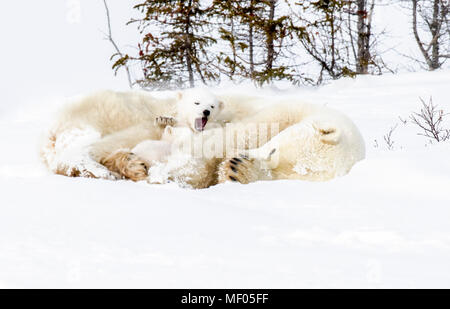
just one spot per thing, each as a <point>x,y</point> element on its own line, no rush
<point>239,169</point>
<point>127,165</point>
<point>165,121</point>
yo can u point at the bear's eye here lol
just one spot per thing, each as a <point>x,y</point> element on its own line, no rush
<point>212,106</point>
<point>197,103</point>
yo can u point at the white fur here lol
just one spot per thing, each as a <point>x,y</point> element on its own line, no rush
<point>313,142</point>
<point>118,120</point>
<point>191,105</point>
<point>152,151</point>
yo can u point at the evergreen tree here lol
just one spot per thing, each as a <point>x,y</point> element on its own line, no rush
<point>174,50</point>
<point>256,35</point>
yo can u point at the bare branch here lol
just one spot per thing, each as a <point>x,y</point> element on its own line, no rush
<point>110,38</point>
<point>388,138</point>
<point>430,120</point>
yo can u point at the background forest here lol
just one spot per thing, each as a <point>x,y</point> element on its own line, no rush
<point>185,43</point>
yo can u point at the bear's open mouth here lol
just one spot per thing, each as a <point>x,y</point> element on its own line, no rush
<point>200,123</point>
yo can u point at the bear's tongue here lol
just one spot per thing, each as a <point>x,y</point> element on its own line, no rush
<point>200,123</point>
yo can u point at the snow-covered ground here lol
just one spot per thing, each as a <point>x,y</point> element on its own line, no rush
<point>386,224</point>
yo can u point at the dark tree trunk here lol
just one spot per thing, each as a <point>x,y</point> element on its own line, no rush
<point>270,36</point>
<point>188,46</point>
<point>332,20</point>
<point>250,41</point>
<point>363,30</point>
<point>434,27</point>
<point>435,31</point>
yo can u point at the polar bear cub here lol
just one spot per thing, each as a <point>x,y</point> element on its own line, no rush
<point>196,110</point>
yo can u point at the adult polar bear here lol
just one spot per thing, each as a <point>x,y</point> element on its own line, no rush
<point>313,143</point>
<point>92,136</point>
<point>310,142</point>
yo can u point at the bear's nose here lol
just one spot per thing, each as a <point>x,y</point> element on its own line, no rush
<point>206,113</point>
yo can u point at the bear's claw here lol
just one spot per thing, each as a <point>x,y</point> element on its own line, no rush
<point>165,121</point>
<point>242,169</point>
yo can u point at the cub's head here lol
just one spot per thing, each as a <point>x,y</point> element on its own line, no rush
<point>197,107</point>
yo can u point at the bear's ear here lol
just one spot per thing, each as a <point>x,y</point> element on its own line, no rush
<point>221,105</point>
<point>328,134</point>
<point>179,95</point>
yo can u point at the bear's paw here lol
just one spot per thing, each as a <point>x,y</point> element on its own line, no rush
<point>165,121</point>
<point>127,165</point>
<point>240,169</point>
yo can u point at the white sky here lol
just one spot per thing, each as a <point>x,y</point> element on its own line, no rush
<point>48,51</point>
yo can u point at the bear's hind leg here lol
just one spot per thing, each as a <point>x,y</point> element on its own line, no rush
<point>114,152</point>
<point>67,154</point>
